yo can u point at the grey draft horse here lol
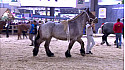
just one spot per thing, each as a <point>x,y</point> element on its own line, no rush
<point>56,30</point>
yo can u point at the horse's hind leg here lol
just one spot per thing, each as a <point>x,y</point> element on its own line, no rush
<point>106,40</point>
<point>67,53</point>
<point>82,50</point>
<point>48,52</point>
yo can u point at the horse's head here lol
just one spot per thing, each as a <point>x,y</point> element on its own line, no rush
<point>91,17</point>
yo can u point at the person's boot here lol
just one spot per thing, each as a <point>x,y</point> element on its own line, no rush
<point>108,44</point>
<point>119,47</point>
<point>102,42</point>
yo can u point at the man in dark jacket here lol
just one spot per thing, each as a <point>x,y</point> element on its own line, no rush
<point>32,32</point>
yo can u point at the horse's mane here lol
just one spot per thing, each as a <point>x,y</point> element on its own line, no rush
<point>76,16</point>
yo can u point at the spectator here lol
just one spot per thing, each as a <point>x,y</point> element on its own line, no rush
<point>35,28</point>
<point>32,32</point>
<point>117,28</point>
<point>7,29</point>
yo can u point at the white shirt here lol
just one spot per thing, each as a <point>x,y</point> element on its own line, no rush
<point>89,31</point>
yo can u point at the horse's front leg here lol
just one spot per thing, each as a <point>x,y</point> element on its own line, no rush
<point>18,37</point>
<point>82,50</point>
<point>67,53</point>
<point>37,43</point>
<point>48,52</point>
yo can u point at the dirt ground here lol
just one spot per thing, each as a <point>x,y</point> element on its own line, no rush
<point>17,55</point>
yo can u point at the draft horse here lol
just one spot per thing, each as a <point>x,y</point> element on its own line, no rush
<point>22,27</point>
<point>52,29</point>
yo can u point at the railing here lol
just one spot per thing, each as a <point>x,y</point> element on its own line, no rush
<point>12,29</point>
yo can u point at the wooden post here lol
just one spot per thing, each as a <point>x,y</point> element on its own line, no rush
<point>94,4</point>
<point>52,12</point>
<point>46,14</point>
<point>12,29</point>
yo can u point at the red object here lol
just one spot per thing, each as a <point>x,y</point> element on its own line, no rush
<point>102,25</point>
<point>31,14</point>
<point>118,27</point>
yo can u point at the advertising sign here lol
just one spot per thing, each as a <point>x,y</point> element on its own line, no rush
<point>14,3</point>
<point>102,13</point>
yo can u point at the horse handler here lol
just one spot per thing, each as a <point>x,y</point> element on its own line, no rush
<point>90,40</point>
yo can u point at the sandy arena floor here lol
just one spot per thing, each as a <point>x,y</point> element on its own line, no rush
<point>17,55</point>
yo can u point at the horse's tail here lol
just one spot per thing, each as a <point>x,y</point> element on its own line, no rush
<point>102,29</point>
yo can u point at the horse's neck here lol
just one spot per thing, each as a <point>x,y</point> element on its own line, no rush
<point>80,23</point>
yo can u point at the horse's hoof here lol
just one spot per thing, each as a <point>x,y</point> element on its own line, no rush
<point>50,55</point>
<point>35,51</point>
<point>82,52</point>
<point>67,54</point>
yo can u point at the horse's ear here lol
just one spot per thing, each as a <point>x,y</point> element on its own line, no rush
<point>87,9</point>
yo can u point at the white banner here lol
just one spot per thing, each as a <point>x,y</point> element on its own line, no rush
<point>49,3</point>
<point>16,3</point>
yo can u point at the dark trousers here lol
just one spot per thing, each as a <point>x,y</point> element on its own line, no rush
<point>7,32</point>
<point>118,37</point>
<point>24,34</point>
